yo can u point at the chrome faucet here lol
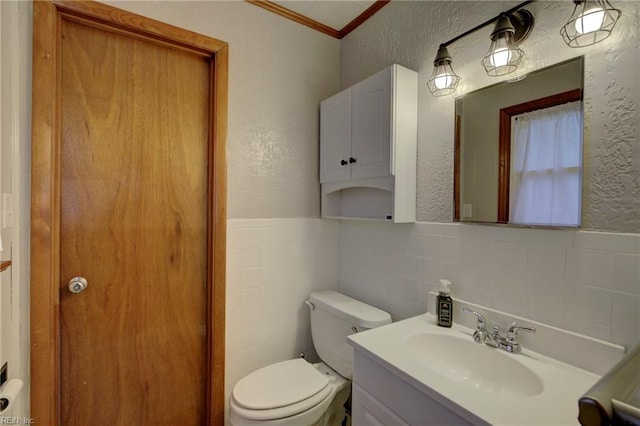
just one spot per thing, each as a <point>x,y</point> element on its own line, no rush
<point>508,343</point>
<point>480,335</point>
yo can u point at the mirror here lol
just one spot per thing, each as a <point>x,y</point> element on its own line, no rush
<point>518,150</point>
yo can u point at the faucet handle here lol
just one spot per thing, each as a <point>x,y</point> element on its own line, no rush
<point>513,331</point>
<point>510,344</point>
<point>480,335</point>
<point>480,325</point>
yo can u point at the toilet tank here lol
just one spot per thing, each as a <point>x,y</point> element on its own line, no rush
<point>335,316</point>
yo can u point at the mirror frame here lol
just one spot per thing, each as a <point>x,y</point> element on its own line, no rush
<point>504,144</point>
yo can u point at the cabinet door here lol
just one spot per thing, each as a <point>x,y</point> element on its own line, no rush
<point>368,411</point>
<point>371,135</point>
<point>335,138</point>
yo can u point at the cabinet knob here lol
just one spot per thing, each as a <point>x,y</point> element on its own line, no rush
<point>343,163</point>
<point>352,160</point>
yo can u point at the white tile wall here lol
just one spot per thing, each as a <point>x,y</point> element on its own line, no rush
<point>272,266</point>
<point>587,282</point>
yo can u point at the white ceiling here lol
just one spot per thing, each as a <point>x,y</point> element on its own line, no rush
<point>333,13</point>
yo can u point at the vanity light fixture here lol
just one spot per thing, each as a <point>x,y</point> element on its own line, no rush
<point>513,26</point>
<point>591,22</point>
<point>444,80</point>
<point>504,54</point>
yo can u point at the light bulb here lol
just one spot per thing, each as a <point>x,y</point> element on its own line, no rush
<point>500,57</point>
<point>443,81</point>
<point>590,21</point>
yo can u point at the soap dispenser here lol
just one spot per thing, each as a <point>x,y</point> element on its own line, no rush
<point>444,305</point>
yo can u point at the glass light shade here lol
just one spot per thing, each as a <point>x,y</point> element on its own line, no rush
<point>591,22</point>
<point>444,80</point>
<point>504,55</point>
<point>500,57</point>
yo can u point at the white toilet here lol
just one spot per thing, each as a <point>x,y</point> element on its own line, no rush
<point>297,393</point>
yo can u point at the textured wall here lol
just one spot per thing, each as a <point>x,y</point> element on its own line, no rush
<point>279,71</point>
<point>409,32</point>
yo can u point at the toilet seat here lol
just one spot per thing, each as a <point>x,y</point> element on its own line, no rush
<point>282,412</point>
<point>281,390</point>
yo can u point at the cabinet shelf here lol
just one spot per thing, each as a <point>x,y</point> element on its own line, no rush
<point>370,199</point>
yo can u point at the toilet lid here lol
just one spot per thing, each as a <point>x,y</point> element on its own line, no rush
<point>282,412</point>
<point>279,385</point>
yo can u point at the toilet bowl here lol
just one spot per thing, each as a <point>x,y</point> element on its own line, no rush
<point>289,393</point>
<point>297,393</point>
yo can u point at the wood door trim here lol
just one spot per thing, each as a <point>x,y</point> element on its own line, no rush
<point>45,202</point>
<point>217,242</point>
<point>45,195</point>
<point>140,25</point>
<point>504,144</point>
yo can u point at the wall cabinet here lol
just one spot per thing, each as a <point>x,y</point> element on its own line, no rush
<point>368,136</point>
<point>355,131</point>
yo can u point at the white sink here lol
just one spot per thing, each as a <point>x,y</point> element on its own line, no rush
<point>480,366</point>
<point>481,384</point>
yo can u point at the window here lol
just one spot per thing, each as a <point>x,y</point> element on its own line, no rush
<point>546,160</point>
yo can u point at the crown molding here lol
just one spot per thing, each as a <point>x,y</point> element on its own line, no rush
<point>318,26</point>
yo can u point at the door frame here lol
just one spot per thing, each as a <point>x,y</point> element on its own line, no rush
<point>45,192</point>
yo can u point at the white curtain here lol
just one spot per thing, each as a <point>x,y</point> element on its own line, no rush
<point>546,158</point>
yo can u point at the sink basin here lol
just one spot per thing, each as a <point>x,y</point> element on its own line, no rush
<point>443,367</point>
<point>480,366</point>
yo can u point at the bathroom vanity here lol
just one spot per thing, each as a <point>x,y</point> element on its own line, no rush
<point>413,372</point>
<point>382,396</point>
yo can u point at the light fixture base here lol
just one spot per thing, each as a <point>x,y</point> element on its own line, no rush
<point>522,21</point>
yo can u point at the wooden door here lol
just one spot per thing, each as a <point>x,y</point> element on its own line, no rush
<point>133,223</point>
<point>136,180</point>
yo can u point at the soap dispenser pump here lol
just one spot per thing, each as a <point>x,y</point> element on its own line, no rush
<point>444,305</point>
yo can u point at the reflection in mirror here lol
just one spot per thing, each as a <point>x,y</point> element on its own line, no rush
<point>518,150</point>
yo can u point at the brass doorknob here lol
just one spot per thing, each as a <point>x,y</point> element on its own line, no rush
<point>77,284</point>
